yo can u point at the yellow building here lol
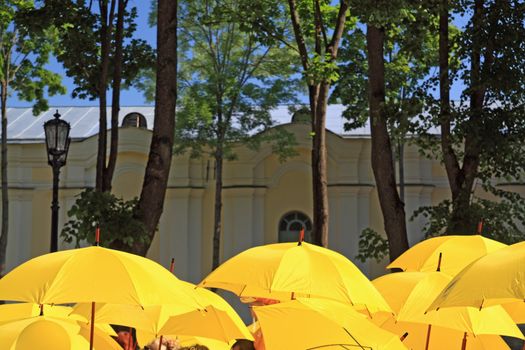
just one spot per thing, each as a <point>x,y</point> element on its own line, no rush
<point>263,200</point>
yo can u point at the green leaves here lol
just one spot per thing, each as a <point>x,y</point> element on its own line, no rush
<point>229,80</point>
<point>112,215</point>
<point>25,46</point>
<point>78,34</point>
<point>322,69</point>
<point>372,246</point>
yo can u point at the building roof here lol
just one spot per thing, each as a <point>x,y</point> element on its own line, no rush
<point>23,126</point>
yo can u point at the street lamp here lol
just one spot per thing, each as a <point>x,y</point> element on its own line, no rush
<point>57,145</point>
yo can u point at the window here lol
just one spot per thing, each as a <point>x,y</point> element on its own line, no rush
<point>135,120</point>
<point>291,224</point>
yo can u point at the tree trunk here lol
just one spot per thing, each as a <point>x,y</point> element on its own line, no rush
<point>115,104</point>
<point>401,171</point>
<point>151,200</point>
<point>217,222</point>
<point>461,179</point>
<point>5,198</point>
<point>382,162</point>
<point>319,171</point>
<point>318,96</point>
<point>105,42</point>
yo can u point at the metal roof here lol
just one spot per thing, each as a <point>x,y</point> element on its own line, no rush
<point>23,126</point>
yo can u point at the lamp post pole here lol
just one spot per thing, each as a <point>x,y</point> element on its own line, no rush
<point>57,144</point>
<point>54,208</point>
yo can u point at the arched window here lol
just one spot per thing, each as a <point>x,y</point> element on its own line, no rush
<point>291,224</point>
<point>135,120</point>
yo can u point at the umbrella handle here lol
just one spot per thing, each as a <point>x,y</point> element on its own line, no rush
<point>464,342</point>
<point>428,336</point>
<point>92,326</point>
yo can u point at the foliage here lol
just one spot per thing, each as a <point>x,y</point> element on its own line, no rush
<point>410,54</point>
<point>229,82</point>
<point>488,121</point>
<point>112,215</point>
<point>503,220</point>
<point>372,245</point>
<point>79,49</point>
<point>24,54</point>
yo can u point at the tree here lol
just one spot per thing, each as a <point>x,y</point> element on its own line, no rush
<point>381,74</point>
<point>151,201</point>
<point>98,50</point>
<point>230,81</point>
<point>24,53</point>
<point>482,134</point>
<point>318,56</point>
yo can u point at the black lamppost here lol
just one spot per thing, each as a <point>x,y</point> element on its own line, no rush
<point>57,144</point>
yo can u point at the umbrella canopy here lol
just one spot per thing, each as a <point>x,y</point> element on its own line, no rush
<point>416,336</point>
<point>410,294</point>
<point>320,324</point>
<point>285,271</point>
<point>49,333</point>
<point>18,311</point>
<point>496,278</point>
<point>11,312</point>
<point>217,320</point>
<point>94,274</point>
<point>448,254</point>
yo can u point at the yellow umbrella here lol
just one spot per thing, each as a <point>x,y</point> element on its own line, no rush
<point>415,291</point>
<point>415,336</point>
<point>94,274</point>
<point>410,293</point>
<point>50,333</point>
<point>217,320</point>
<point>320,324</point>
<point>285,271</point>
<point>449,254</point>
<point>496,278</point>
<point>18,311</point>
<point>11,312</point>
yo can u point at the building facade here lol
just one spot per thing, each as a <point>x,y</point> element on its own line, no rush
<point>264,200</point>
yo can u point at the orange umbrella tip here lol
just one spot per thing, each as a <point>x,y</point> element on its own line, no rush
<point>480,227</point>
<point>97,236</point>
<point>172,265</point>
<point>301,236</point>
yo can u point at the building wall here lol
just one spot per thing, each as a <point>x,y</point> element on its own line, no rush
<point>258,191</point>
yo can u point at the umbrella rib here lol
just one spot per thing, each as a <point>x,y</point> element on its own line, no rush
<point>350,334</point>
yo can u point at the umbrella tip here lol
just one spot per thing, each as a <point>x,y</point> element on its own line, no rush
<point>301,237</point>
<point>480,227</point>
<point>97,236</point>
<point>172,265</point>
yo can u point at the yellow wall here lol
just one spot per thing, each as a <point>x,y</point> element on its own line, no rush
<point>256,183</point>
